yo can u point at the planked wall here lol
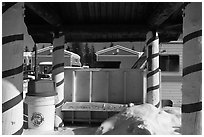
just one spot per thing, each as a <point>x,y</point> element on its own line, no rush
<point>104,85</point>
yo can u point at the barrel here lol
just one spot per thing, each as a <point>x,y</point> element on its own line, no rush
<point>41,112</point>
<point>40,101</point>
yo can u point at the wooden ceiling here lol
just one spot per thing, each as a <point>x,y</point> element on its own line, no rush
<point>103,21</point>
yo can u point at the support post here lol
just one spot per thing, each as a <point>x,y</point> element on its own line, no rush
<point>12,69</point>
<point>58,76</point>
<point>192,70</point>
<point>90,85</point>
<point>36,64</point>
<point>153,83</point>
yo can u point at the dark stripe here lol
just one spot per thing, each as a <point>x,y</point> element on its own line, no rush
<point>192,68</point>
<point>12,72</point>
<point>12,38</point>
<point>59,104</point>
<point>152,73</point>
<point>157,105</point>
<point>61,124</point>
<point>152,56</point>
<point>25,118</point>
<point>58,48</point>
<point>58,65</point>
<point>140,61</point>
<point>59,83</point>
<point>12,102</point>
<point>152,88</point>
<point>149,53</point>
<point>25,125</point>
<point>152,39</point>
<point>25,108</point>
<point>19,132</point>
<point>42,94</point>
<point>192,36</point>
<point>7,5</point>
<point>190,108</point>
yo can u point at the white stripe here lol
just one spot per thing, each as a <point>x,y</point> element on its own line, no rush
<point>59,77</point>
<point>12,119</point>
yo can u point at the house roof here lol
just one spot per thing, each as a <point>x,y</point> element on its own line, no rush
<point>51,48</point>
<point>118,47</point>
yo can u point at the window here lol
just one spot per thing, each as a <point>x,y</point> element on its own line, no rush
<point>169,63</point>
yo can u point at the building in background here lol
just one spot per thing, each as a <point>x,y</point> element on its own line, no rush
<point>44,59</point>
<point>171,61</point>
<point>27,61</point>
<point>124,56</point>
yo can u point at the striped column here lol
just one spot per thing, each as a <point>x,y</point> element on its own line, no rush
<point>12,69</point>
<point>25,115</point>
<point>153,82</point>
<point>192,70</point>
<point>58,76</point>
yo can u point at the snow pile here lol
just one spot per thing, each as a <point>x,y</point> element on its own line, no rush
<point>142,119</point>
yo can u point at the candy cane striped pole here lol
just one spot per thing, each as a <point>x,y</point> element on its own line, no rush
<point>153,82</point>
<point>58,76</point>
<point>12,69</point>
<point>192,70</point>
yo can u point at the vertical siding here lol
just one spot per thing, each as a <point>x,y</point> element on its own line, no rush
<point>108,85</point>
<point>171,89</point>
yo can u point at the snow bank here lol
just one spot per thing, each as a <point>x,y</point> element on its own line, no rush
<point>142,119</point>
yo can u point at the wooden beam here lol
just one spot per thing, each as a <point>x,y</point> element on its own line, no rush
<point>42,38</point>
<point>100,29</point>
<point>92,106</point>
<point>71,37</point>
<point>42,10</point>
<point>177,27</point>
<point>104,33</point>
<point>162,13</point>
<point>105,28</point>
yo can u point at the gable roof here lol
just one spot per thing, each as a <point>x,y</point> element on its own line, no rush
<point>42,50</point>
<point>51,48</point>
<point>118,47</point>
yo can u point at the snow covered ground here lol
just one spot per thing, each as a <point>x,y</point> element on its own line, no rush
<point>143,119</point>
<point>135,120</point>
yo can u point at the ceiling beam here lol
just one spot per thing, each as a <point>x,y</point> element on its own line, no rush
<point>42,10</point>
<point>103,29</point>
<point>103,33</point>
<point>162,13</point>
<point>164,37</point>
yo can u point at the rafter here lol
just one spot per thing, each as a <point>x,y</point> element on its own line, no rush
<point>105,33</point>
<point>162,13</point>
<point>45,12</point>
